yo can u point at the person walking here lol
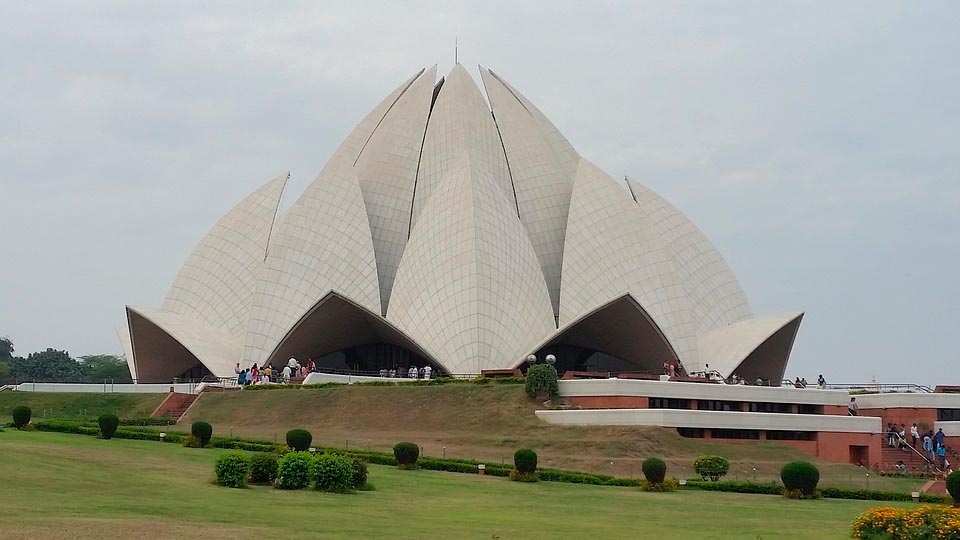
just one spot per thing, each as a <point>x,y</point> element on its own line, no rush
<point>914,435</point>
<point>938,439</point>
<point>853,408</point>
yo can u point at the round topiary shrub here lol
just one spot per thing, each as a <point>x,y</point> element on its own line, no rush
<point>299,440</point>
<point>407,454</point>
<point>332,473</point>
<point>21,416</point>
<point>294,470</point>
<point>801,476</point>
<point>202,431</point>
<point>654,470</point>
<point>263,468</point>
<point>953,486</point>
<point>542,381</point>
<point>525,460</point>
<point>358,477</point>
<point>108,425</point>
<point>232,470</point>
<point>711,468</point>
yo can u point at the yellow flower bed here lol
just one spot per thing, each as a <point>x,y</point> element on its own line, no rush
<point>923,523</point>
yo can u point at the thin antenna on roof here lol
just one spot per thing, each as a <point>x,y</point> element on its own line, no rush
<point>456,52</point>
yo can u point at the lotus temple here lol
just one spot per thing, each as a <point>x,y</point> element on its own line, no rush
<point>457,228</point>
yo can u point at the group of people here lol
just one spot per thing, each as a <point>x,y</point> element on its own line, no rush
<point>931,444</point>
<point>413,372</point>
<point>801,382</point>
<point>267,374</point>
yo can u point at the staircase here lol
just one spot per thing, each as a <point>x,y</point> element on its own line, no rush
<point>914,461</point>
<point>175,405</point>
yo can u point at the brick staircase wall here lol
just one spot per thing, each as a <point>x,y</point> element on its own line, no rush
<point>174,406</point>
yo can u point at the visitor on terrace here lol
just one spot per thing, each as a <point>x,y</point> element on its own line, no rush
<point>287,373</point>
<point>853,408</point>
<point>914,435</point>
<point>412,372</point>
<point>821,382</point>
<point>427,372</point>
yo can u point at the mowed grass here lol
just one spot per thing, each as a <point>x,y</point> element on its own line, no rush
<point>79,405</point>
<point>70,486</point>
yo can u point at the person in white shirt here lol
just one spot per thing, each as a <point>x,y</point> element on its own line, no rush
<point>412,373</point>
<point>287,373</point>
<point>292,363</point>
<point>426,372</point>
<point>914,434</point>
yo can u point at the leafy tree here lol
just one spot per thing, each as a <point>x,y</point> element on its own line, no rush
<point>4,372</point>
<point>50,364</point>
<point>105,366</point>
<point>6,348</point>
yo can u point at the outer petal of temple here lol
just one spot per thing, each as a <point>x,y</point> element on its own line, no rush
<point>754,348</point>
<point>167,344</point>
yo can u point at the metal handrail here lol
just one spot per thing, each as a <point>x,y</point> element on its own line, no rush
<point>877,388</point>
<point>903,441</point>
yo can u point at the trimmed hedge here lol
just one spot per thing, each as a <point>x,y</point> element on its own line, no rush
<point>654,470</point>
<point>953,486</point>
<point>294,470</point>
<point>263,468</point>
<point>773,488</point>
<point>202,431</point>
<point>299,439</point>
<point>711,468</point>
<point>801,476</point>
<point>525,460</point>
<point>332,473</point>
<point>108,425</point>
<point>769,488</point>
<point>406,454</point>
<point>232,470</point>
<point>21,416</point>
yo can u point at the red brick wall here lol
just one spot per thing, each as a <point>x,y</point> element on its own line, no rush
<point>904,415</point>
<point>610,402</point>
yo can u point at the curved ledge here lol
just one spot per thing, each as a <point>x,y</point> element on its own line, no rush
<point>620,328</point>
<point>336,323</point>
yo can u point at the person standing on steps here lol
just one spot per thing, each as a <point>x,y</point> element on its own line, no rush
<point>914,435</point>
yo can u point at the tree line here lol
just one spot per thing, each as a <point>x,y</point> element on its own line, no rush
<point>58,366</point>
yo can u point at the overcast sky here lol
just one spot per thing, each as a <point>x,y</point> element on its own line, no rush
<point>817,144</point>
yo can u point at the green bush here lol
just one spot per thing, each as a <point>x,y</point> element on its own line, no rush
<point>294,470</point>
<point>232,470</point>
<point>406,454</point>
<point>299,440</point>
<point>263,468</point>
<point>108,425</point>
<point>801,476</point>
<point>518,476</point>
<point>332,473</point>
<point>756,488</point>
<point>202,431</point>
<point>192,441</point>
<point>711,468</point>
<point>668,484</point>
<point>21,416</point>
<point>654,470</point>
<point>358,474</point>
<point>542,381</point>
<point>953,487</point>
<point>525,460</point>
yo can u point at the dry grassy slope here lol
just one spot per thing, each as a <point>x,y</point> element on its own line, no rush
<point>479,422</point>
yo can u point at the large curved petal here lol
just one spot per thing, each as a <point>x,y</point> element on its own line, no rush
<point>469,287</point>
<point>387,171</point>
<point>715,296</point>
<point>336,323</point>
<point>216,283</point>
<point>620,328</point>
<point>123,334</point>
<point>757,347</point>
<point>460,124</point>
<point>611,250</point>
<point>541,178</point>
<point>166,344</point>
<point>323,244</point>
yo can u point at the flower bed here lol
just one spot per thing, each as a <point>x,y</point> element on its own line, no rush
<point>923,523</point>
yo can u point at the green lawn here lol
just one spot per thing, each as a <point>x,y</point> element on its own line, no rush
<point>79,405</point>
<point>71,486</point>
